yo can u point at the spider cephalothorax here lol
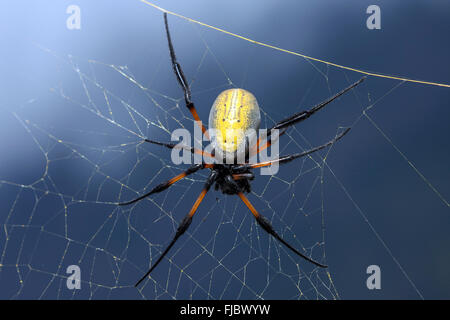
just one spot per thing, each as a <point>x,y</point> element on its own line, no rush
<point>234,110</point>
<point>230,181</point>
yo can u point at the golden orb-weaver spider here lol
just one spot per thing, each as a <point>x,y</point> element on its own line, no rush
<point>234,109</point>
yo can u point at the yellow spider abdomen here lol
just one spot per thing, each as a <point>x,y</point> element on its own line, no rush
<point>232,114</point>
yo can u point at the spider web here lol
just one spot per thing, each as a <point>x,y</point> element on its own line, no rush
<point>86,139</point>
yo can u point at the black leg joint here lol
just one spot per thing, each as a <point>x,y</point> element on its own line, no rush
<point>265,224</point>
<point>184,225</point>
<point>194,168</point>
<point>161,187</point>
<point>211,179</point>
<point>189,104</point>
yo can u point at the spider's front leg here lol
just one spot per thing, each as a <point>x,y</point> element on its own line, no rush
<point>301,116</point>
<point>182,79</point>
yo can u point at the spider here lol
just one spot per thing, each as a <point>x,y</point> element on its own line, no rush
<point>231,179</point>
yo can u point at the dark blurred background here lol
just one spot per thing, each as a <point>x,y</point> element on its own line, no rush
<point>75,104</point>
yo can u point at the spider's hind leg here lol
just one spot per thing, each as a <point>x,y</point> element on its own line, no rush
<point>265,224</point>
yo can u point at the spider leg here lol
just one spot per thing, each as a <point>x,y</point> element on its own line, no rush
<point>182,79</point>
<point>265,224</point>
<point>163,186</point>
<point>177,146</point>
<point>185,223</point>
<point>305,114</point>
<point>257,148</point>
<point>238,176</point>
<point>291,157</point>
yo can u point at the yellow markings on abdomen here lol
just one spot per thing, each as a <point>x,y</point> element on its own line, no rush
<point>233,113</point>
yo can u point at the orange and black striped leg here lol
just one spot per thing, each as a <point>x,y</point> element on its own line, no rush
<point>291,157</point>
<point>182,79</point>
<point>177,146</point>
<point>163,186</point>
<point>265,224</point>
<point>184,225</point>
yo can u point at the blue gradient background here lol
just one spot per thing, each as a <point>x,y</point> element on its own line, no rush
<point>408,216</point>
